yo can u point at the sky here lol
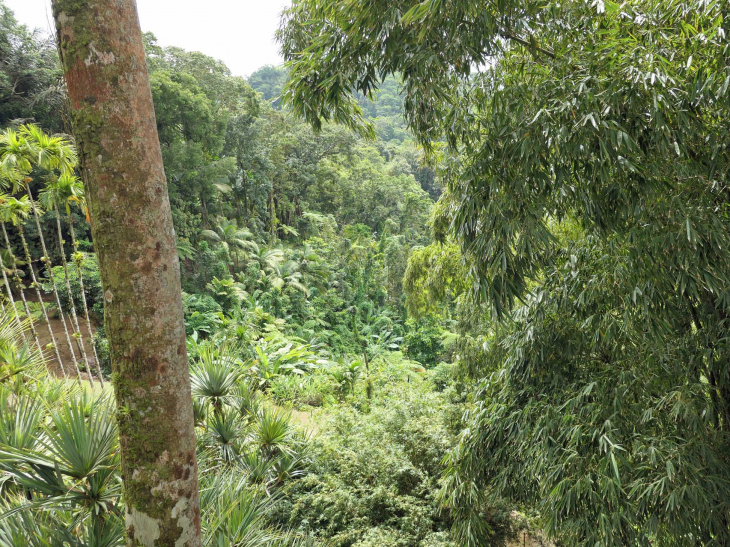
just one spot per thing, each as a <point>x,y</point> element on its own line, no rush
<point>238,32</point>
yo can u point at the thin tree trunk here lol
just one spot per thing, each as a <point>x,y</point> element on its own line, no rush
<point>114,123</point>
<point>40,301</point>
<point>19,283</point>
<point>46,259</point>
<point>272,217</point>
<point>75,245</point>
<point>74,318</point>
<point>12,301</point>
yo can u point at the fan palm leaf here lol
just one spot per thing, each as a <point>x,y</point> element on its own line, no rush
<point>214,374</point>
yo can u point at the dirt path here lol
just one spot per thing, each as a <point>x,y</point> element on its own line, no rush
<point>63,349</point>
<point>307,420</point>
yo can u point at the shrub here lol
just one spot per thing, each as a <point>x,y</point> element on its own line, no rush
<point>424,342</point>
<point>372,476</point>
<point>443,376</point>
<point>311,390</point>
<point>201,313</point>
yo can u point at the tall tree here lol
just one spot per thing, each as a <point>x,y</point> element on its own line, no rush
<point>234,240</point>
<point>61,190</point>
<point>608,122</point>
<point>16,211</point>
<point>68,189</point>
<point>114,123</point>
<point>50,153</point>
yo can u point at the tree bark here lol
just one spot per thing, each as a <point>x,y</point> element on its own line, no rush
<point>114,124</point>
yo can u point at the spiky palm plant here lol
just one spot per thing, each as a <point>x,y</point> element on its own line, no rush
<point>59,469</point>
<point>246,400</point>
<point>21,420</point>
<point>234,513</point>
<point>224,432</point>
<point>214,374</point>
<point>256,467</point>
<point>272,431</point>
<point>69,469</point>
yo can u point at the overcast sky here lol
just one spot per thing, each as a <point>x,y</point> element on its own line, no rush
<point>239,32</point>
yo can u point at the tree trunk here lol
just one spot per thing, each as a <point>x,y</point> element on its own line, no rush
<point>46,259</point>
<point>12,300</point>
<point>114,124</point>
<point>272,217</point>
<point>74,318</point>
<point>37,287</point>
<point>75,246</point>
<point>18,282</point>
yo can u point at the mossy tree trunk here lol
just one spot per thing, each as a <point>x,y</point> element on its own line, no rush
<point>114,124</point>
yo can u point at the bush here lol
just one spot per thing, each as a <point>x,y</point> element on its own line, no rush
<point>102,351</point>
<point>444,375</point>
<point>311,390</point>
<point>201,313</point>
<point>373,476</point>
<point>424,342</point>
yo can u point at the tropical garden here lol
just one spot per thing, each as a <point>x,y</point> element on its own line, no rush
<point>457,274</point>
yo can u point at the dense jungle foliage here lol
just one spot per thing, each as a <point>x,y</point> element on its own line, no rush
<point>458,275</point>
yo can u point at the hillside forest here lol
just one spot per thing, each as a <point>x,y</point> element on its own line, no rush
<point>454,275</point>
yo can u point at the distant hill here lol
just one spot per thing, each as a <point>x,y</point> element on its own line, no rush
<point>386,111</point>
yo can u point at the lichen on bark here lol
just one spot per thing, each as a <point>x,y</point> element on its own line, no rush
<point>114,125</point>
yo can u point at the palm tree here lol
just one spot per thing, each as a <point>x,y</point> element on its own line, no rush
<point>269,259</point>
<point>49,153</point>
<point>282,273</point>
<point>214,375</point>
<point>16,211</point>
<point>15,272</point>
<point>76,193</point>
<point>313,269</point>
<point>65,189</point>
<point>9,177</point>
<point>10,296</point>
<point>9,290</point>
<point>233,239</point>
